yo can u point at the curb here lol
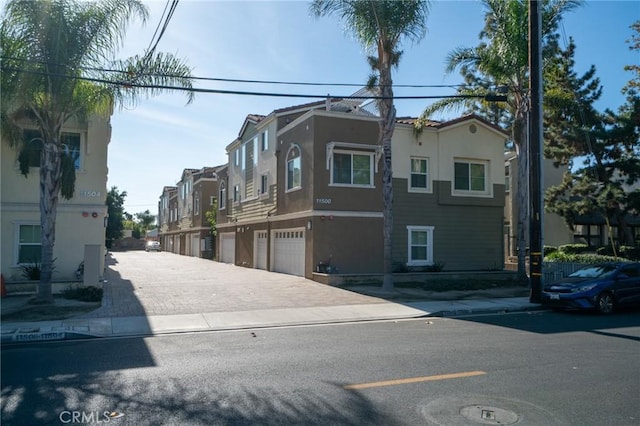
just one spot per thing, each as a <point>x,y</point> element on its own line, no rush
<point>19,335</point>
<point>465,312</point>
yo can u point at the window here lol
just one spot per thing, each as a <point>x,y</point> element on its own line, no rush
<point>223,196</point>
<point>237,157</point>
<point>420,245</point>
<point>351,168</point>
<point>236,193</point>
<point>264,184</point>
<point>28,243</point>
<point>70,145</point>
<point>265,140</point>
<point>196,204</point>
<point>470,176</point>
<point>419,174</point>
<point>293,168</point>
<point>507,178</point>
<point>212,199</point>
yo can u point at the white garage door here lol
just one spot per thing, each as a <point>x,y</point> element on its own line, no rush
<point>260,241</point>
<point>228,247</point>
<point>288,251</point>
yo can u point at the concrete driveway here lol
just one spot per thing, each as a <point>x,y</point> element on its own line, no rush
<point>146,284</point>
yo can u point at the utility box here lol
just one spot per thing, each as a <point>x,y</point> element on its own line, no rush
<point>92,253</point>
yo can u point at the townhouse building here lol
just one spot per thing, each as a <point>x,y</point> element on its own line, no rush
<point>182,221</point>
<point>303,193</point>
<point>81,220</point>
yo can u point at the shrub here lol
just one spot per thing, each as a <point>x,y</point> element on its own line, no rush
<point>549,249</point>
<point>628,252</point>
<point>85,294</point>
<point>573,248</point>
<point>560,256</point>
<point>31,271</point>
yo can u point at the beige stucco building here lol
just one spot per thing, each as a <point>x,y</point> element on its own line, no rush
<point>80,220</point>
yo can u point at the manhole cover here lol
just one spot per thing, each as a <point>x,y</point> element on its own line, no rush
<point>476,409</point>
<point>488,415</point>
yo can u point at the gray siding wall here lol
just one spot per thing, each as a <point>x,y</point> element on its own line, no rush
<point>467,230</point>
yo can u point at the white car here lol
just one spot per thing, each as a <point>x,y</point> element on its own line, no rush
<point>152,245</point>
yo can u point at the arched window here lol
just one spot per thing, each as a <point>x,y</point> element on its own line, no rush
<point>294,168</point>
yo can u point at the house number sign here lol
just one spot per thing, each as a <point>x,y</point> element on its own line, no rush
<point>323,200</point>
<point>90,194</point>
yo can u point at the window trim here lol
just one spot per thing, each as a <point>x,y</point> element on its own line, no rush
<point>264,141</point>
<point>264,192</point>
<point>286,170</point>
<point>429,231</point>
<point>237,194</point>
<point>410,188</point>
<point>487,192</point>
<point>222,196</point>
<point>372,168</point>
<point>16,241</point>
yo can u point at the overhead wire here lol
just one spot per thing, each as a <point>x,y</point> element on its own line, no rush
<point>126,83</point>
<point>254,81</point>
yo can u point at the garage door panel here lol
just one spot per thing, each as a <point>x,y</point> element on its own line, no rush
<point>289,251</point>
<point>228,247</point>
<point>261,249</point>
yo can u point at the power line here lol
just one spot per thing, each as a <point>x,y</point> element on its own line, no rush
<point>489,97</point>
<point>235,80</point>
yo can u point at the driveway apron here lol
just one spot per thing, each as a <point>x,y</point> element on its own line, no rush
<point>144,284</point>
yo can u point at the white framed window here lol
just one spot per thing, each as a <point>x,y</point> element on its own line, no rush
<point>264,184</point>
<point>420,245</point>
<point>419,174</point>
<point>470,177</point>
<point>28,243</point>
<point>222,196</point>
<point>236,193</point>
<point>196,204</point>
<point>352,168</point>
<point>264,143</point>
<point>294,168</point>
<point>212,199</point>
<point>237,157</point>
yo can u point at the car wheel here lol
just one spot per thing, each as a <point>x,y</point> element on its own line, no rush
<point>604,303</point>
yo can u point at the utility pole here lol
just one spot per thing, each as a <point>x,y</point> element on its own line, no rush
<point>535,151</point>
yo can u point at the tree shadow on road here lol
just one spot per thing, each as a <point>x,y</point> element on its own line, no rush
<point>98,386</point>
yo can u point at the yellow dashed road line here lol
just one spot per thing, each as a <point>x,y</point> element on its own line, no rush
<point>415,380</point>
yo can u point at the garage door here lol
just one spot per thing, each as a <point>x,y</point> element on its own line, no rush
<point>228,247</point>
<point>260,241</point>
<point>288,251</point>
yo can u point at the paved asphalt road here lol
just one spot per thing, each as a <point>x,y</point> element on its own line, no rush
<point>538,368</point>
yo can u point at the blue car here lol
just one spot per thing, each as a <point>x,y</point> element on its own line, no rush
<point>602,287</point>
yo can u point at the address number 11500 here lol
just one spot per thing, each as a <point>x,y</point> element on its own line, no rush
<point>323,200</point>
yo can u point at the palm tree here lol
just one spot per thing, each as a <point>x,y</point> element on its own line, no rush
<point>501,60</point>
<point>57,64</point>
<point>380,27</point>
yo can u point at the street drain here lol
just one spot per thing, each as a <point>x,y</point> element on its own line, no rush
<point>488,415</point>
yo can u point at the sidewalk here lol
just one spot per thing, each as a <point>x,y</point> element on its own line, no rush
<point>217,321</point>
<point>157,293</point>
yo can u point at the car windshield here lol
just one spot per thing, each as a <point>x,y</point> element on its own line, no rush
<point>596,271</point>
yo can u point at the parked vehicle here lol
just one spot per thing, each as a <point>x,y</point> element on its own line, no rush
<point>602,287</point>
<point>152,246</point>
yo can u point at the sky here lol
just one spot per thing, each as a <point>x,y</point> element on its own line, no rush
<point>281,41</point>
